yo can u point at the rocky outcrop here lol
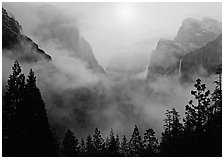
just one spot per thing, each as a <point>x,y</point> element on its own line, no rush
<point>88,56</point>
<point>203,61</point>
<point>19,46</point>
<point>16,45</point>
<point>192,35</point>
<point>59,29</point>
<point>195,34</point>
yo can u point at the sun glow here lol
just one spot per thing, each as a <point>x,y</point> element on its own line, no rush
<point>126,13</point>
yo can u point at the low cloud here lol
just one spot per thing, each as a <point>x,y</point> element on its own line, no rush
<point>80,99</point>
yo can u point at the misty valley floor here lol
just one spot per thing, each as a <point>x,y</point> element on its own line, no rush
<point>112,79</point>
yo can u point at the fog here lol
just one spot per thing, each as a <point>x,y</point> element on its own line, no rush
<point>80,99</point>
<point>104,28</point>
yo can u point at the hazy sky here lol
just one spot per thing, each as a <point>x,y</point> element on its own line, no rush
<point>112,29</point>
<point>110,26</point>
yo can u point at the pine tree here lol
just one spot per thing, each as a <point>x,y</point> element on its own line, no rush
<point>98,143</point>
<point>197,115</point>
<point>107,144</point>
<point>12,100</point>
<point>135,142</point>
<point>113,145</point>
<point>26,131</point>
<point>118,144</point>
<point>213,128</point>
<point>124,151</point>
<point>150,143</point>
<point>172,135</point>
<point>70,145</point>
<point>41,137</point>
<point>89,146</point>
<point>82,148</point>
<point>217,94</point>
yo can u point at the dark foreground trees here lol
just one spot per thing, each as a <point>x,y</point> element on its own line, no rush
<point>135,143</point>
<point>96,146</point>
<point>26,131</point>
<point>201,132</point>
<point>70,145</point>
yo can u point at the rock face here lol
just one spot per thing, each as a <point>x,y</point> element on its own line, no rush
<point>21,47</point>
<point>164,58</point>
<point>192,35</point>
<point>88,56</point>
<point>204,60</point>
<point>69,38</point>
<point>57,28</point>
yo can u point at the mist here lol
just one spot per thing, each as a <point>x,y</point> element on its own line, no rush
<point>101,26</point>
<point>81,99</point>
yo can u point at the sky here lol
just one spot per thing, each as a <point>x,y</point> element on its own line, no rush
<point>110,27</point>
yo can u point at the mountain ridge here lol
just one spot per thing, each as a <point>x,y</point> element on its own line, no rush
<point>21,47</point>
<point>24,49</point>
<point>168,53</point>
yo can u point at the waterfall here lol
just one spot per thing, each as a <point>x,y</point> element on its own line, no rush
<point>180,67</point>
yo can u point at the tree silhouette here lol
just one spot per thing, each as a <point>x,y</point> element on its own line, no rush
<point>89,146</point>
<point>34,113</point>
<point>214,125</point>
<point>107,144</point>
<point>113,148</point>
<point>197,116</point>
<point>118,144</point>
<point>171,137</point>
<point>12,100</point>
<point>98,143</point>
<point>70,144</point>
<point>136,146</point>
<point>26,131</point>
<point>82,148</point>
<point>150,143</point>
<point>217,94</point>
<point>124,150</point>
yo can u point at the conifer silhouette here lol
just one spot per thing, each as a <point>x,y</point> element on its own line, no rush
<point>70,145</point>
<point>26,131</point>
<point>135,142</point>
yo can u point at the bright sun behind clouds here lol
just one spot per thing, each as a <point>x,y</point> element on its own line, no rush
<point>126,13</point>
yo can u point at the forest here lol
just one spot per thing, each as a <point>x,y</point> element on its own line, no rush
<point>27,131</point>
